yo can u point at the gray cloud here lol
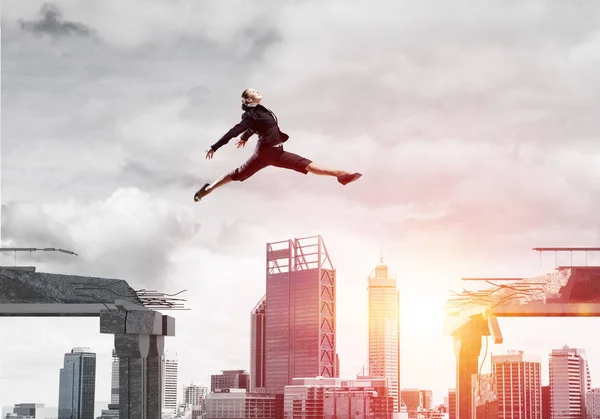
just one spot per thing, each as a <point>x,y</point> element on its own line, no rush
<point>130,235</point>
<point>141,174</point>
<point>257,39</point>
<point>52,23</point>
<point>31,226</point>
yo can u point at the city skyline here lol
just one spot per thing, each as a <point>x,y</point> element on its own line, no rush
<point>475,127</point>
<point>523,369</point>
<point>382,269</point>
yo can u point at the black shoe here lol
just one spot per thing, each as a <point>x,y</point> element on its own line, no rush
<point>345,179</point>
<point>201,193</point>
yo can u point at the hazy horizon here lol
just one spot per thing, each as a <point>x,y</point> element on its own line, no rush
<point>54,409</point>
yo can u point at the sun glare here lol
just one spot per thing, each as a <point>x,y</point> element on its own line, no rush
<point>422,308</point>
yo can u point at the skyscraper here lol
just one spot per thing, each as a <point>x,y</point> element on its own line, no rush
<point>77,385</point>
<point>384,329</point>
<point>114,381</point>
<point>169,383</point>
<point>113,406</point>
<point>569,382</point>
<point>518,378</point>
<point>300,313</point>
<point>258,319</point>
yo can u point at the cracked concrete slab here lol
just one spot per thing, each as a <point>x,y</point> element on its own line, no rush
<point>568,291</point>
<point>39,287</point>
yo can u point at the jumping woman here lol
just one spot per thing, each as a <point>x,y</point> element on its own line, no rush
<point>269,149</point>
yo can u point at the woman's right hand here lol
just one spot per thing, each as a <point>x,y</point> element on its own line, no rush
<point>210,153</point>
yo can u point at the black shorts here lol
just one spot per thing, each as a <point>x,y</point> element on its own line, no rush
<point>270,156</point>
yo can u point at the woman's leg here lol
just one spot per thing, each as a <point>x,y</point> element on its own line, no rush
<point>324,171</point>
<point>342,176</point>
<point>208,188</point>
<point>303,165</point>
<point>253,165</point>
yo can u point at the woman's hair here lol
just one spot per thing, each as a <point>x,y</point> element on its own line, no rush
<point>245,106</point>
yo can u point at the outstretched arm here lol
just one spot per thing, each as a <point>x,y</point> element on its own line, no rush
<point>244,138</point>
<point>246,135</point>
<point>243,126</point>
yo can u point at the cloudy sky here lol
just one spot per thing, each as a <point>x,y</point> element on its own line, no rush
<point>475,125</point>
